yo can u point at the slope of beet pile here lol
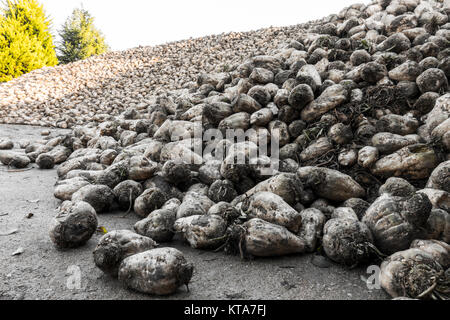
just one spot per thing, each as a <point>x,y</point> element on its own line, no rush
<point>353,111</point>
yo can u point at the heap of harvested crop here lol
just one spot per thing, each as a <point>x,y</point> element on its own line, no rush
<point>105,85</point>
<point>339,139</point>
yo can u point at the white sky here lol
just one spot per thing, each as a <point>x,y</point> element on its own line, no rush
<point>130,23</point>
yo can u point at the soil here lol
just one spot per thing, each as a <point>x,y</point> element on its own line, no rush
<point>43,272</point>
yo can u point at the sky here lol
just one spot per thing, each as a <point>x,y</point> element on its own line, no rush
<point>130,23</point>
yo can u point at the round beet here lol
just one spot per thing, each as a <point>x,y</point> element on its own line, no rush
<point>74,225</point>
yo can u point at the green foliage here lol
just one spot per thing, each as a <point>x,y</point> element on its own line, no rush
<point>25,41</point>
<point>80,38</point>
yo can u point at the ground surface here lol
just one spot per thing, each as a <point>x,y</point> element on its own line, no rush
<point>43,272</point>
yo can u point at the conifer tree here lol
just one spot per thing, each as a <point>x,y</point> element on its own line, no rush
<point>26,43</point>
<point>80,39</point>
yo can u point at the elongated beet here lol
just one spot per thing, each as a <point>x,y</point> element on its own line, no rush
<point>158,271</point>
<point>202,231</point>
<point>260,238</point>
<point>117,245</point>
<point>272,208</point>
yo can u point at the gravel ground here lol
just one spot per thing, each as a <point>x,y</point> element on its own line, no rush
<point>43,272</point>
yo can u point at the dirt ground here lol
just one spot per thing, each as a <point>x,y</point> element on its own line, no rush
<point>43,272</point>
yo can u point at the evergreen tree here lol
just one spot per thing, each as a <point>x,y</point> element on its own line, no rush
<point>25,40</point>
<point>80,39</point>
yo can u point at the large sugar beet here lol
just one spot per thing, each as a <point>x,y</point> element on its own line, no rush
<point>396,221</point>
<point>100,197</point>
<point>347,241</point>
<point>438,249</point>
<point>127,192</point>
<point>117,245</point>
<point>439,199</point>
<point>414,273</point>
<point>114,174</point>
<point>272,208</point>
<point>13,159</point>
<point>330,184</point>
<point>159,224</point>
<point>286,185</point>
<point>6,144</point>
<point>194,203</point>
<point>202,231</point>
<point>75,163</point>
<point>141,168</point>
<point>439,114</point>
<point>311,230</point>
<point>332,97</point>
<point>150,200</point>
<point>411,162</point>
<point>398,187</point>
<point>74,225</point>
<point>157,271</point>
<point>66,188</point>
<point>387,142</point>
<point>440,177</point>
<point>438,225</point>
<point>225,210</point>
<point>181,151</point>
<point>260,238</point>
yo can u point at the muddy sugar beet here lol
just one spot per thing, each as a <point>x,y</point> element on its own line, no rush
<point>157,271</point>
<point>260,238</point>
<point>117,245</point>
<point>345,143</point>
<point>418,272</point>
<point>74,225</point>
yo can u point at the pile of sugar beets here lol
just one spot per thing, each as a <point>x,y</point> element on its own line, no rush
<point>360,106</point>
